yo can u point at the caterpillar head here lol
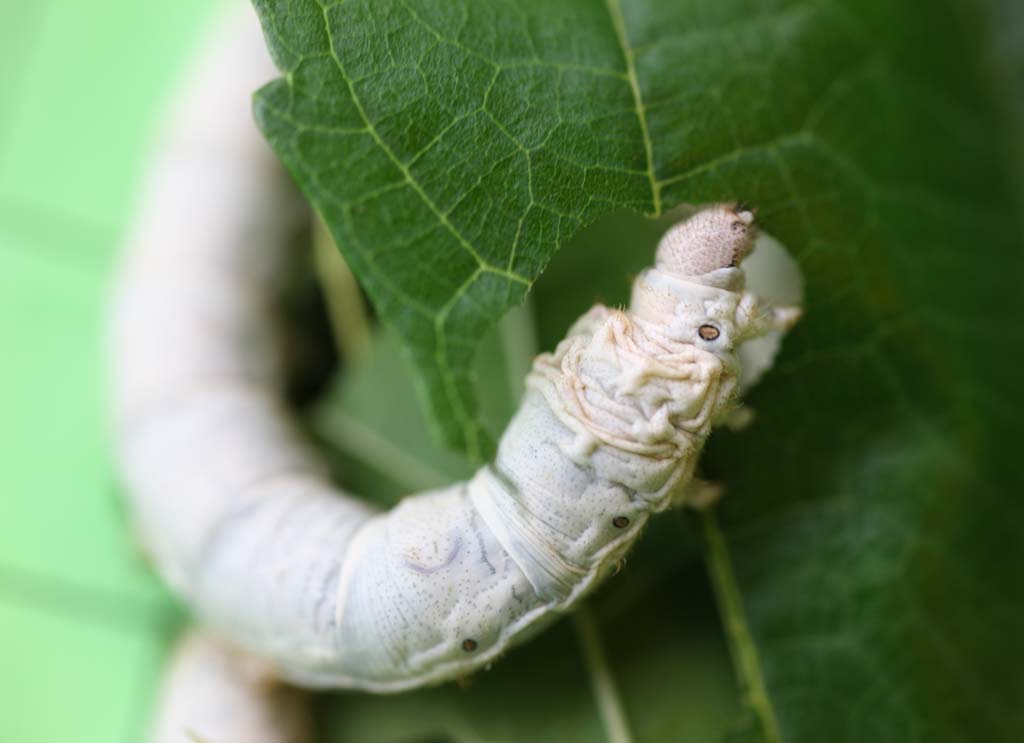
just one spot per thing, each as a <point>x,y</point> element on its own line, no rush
<point>695,290</point>
<point>719,236</point>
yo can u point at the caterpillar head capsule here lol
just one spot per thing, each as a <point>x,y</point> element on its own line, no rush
<point>717,237</point>
<point>696,289</point>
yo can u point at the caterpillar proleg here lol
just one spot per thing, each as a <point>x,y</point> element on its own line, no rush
<point>239,514</point>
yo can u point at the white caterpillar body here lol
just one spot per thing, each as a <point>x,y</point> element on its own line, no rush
<point>239,514</point>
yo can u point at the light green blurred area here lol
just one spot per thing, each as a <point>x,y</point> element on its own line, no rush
<point>83,626</point>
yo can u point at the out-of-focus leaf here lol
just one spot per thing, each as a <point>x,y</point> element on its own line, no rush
<point>372,422</point>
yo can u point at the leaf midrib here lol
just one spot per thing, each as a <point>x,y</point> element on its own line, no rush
<point>746,659</point>
<point>619,25</point>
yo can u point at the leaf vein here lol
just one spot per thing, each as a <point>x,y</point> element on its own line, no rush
<point>371,130</point>
<point>619,24</point>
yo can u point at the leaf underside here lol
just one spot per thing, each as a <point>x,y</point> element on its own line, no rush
<point>873,510</point>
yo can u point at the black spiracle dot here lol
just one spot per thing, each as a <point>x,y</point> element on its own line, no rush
<point>469,645</point>
<point>708,332</point>
<point>620,522</point>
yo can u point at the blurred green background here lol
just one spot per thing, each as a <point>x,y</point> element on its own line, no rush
<point>83,626</point>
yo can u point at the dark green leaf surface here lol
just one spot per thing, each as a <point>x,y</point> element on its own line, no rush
<point>873,509</point>
<point>450,148</point>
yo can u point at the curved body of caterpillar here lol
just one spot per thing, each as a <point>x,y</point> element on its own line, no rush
<point>240,516</point>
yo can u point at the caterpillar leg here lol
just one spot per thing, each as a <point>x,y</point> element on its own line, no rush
<point>699,494</point>
<point>213,694</point>
<point>739,418</point>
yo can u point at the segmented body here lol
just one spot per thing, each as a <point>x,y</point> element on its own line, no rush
<point>239,514</point>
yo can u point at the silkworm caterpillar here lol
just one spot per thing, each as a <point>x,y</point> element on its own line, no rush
<point>239,514</point>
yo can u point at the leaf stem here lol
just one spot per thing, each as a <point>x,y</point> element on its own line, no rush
<point>609,702</point>
<point>519,345</point>
<point>350,435</point>
<point>741,643</point>
<point>350,322</point>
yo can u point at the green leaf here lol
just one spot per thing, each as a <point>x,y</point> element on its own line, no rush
<point>450,149</point>
<point>872,512</point>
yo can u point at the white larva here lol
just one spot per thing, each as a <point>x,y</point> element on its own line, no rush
<point>240,516</point>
